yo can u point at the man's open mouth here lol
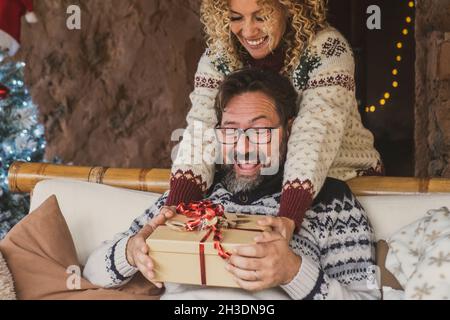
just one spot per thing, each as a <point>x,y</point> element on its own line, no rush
<point>249,169</point>
<point>247,166</point>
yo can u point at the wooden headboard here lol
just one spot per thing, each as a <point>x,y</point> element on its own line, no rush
<point>24,176</point>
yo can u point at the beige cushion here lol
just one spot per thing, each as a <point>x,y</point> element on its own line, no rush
<point>33,245</point>
<point>39,251</point>
<point>6,282</point>
<point>93,212</point>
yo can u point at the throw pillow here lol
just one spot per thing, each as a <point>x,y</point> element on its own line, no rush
<point>43,262</point>
<point>6,282</point>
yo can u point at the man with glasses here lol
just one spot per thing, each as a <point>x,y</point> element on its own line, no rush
<point>330,257</point>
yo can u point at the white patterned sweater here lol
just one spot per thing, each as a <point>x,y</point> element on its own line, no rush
<point>327,138</point>
<point>335,242</point>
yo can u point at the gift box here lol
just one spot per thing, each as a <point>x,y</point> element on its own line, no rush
<point>194,249</point>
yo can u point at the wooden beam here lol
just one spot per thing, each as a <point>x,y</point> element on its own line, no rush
<point>24,176</point>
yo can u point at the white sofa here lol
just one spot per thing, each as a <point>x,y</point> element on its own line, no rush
<point>95,212</point>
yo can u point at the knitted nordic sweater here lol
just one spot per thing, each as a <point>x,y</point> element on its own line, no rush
<point>327,138</point>
<point>335,243</point>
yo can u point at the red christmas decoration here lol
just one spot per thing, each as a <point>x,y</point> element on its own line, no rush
<point>4,92</point>
<point>205,216</point>
<point>11,12</point>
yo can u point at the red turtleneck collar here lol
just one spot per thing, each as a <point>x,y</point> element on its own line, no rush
<point>273,61</point>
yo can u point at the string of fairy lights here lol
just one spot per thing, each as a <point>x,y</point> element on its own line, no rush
<point>394,83</point>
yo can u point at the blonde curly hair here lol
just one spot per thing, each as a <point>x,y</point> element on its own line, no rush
<point>305,18</point>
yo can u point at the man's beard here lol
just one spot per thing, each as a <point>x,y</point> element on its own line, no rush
<point>236,184</point>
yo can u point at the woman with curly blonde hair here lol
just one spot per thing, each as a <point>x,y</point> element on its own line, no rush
<point>327,137</point>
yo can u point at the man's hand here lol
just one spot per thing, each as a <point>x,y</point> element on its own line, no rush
<point>281,225</point>
<point>137,249</point>
<point>267,264</point>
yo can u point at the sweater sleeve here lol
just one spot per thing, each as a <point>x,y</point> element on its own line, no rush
<point>326,73</point>
<point>337,249</point>
<point>193,169</point>
<point>108,266</point>
<point>312,283</point>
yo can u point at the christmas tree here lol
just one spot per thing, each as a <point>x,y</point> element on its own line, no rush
<point>21,138</point>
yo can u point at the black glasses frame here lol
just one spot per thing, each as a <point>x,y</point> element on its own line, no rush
<point>239,132</point>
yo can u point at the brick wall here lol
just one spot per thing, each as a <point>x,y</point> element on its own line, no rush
<point>432,110</point>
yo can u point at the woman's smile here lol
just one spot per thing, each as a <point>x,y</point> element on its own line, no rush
<point>255,44</point>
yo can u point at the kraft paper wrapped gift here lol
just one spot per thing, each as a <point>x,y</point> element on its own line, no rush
<point>186,257</point>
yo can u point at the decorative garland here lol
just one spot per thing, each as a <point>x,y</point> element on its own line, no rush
<point>395,71</point>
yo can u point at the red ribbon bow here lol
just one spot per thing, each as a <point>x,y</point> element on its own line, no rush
<point>206,216</point>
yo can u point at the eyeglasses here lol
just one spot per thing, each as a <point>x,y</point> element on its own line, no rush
<point>231,136</point>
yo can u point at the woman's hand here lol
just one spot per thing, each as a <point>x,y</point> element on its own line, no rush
<point>281,225</point>
<point>137,249</point>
